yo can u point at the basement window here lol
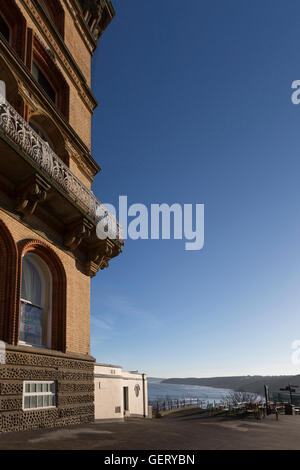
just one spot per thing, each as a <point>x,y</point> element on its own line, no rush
<point>39,395</point>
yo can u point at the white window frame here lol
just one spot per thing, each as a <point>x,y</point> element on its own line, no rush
<point>36,394</point>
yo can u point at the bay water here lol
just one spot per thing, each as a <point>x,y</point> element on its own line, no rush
<point>159,391</point>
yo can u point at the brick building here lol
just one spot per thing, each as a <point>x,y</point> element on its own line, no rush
<point>48,214</point>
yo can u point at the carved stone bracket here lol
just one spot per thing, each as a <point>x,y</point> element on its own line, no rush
<point>30,193</point>
<point>100,254</point>
<point>77,232</point>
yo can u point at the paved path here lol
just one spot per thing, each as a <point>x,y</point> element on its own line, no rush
<point>183,430</point>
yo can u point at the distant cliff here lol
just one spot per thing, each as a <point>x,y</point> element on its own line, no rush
<point>247,383</point>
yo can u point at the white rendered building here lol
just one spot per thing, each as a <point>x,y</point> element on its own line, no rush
<point>119,393</point>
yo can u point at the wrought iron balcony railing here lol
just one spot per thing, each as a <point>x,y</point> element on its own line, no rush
<point>14,126</point>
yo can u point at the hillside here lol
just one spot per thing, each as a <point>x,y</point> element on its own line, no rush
<point>247,383</point>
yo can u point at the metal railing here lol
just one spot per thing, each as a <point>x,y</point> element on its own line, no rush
<point>14,126</point>
<point>217,408</point>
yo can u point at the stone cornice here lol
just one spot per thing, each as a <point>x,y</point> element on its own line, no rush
<point>97,15</point>
<point>80,24</point>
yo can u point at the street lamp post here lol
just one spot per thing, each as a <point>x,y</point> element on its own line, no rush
<point>267,396</point>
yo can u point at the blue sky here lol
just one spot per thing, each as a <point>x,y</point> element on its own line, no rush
<point>195,107</point>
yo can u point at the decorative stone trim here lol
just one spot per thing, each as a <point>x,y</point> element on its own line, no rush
<point>57,15</point>
<point>80,24</point>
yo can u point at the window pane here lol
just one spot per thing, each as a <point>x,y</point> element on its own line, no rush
<point>31,330</point>
<point>33,402</point>
<point>31,283</point>
<point>40,401</point>
<point>4,29</point>
<point>44,82</point>
<point>41,395</point>
<point>27,402</point>
<point>46,400</point>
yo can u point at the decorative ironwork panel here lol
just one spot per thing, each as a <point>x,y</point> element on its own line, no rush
<point>13,125</point>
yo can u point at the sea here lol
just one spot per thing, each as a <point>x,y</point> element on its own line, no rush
<point>159,391</point>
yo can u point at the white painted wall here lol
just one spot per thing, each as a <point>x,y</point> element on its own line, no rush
<point>136,404</point>
<point>109,383</point>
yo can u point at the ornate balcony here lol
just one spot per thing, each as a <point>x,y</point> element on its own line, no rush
<point>14,126</point>
<point>40,183</point>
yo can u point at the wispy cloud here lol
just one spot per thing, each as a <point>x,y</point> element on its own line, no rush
<point>100,323</point>
<point>123,305</point>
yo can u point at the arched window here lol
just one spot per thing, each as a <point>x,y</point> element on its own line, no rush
<point>35,321</point>
<point>44,322</point>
